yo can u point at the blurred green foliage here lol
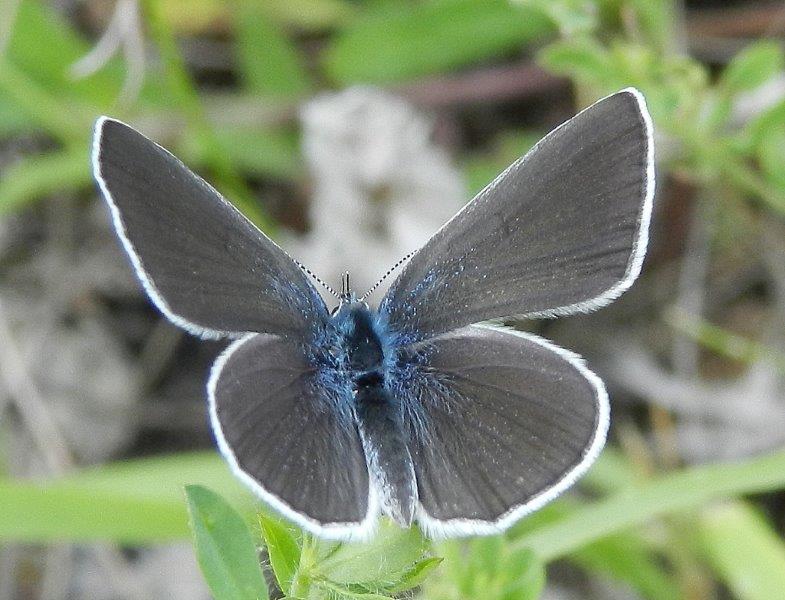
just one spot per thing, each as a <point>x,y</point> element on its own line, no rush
<point>633,532</point>
<point>140,501</point>
<point>398,41</point>
<point>692,112</point>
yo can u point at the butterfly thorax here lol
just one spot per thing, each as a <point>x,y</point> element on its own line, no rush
<point>378,414</point>
<point>362,344</point>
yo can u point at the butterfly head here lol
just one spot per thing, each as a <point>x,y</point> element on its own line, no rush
<point>347,295</point>
<point>347,298</point>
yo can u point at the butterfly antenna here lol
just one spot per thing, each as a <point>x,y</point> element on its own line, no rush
<point>386,275</point>
<point>317,279</point>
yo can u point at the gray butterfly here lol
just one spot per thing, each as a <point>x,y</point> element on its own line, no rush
<point>411,408</point>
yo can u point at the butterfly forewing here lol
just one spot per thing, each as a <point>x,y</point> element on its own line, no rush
<point>503,422</point>
<point>562,230</point>
<point>207,268</point>
<point>286,438</point>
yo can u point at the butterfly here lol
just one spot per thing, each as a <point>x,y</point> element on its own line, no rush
<point>424,407</point>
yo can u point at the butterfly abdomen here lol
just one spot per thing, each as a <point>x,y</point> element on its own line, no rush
<point>381,429</point>
<point>379,415</point>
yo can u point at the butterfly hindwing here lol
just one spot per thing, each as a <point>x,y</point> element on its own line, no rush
<point>562,230</point>
<point>206,266</point>
<point>503,422</point>
<point>284,436</point>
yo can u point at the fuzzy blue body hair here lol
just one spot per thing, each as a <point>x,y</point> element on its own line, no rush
<point>398,358</point>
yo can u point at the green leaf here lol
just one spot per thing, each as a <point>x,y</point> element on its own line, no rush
<point>583,58</point>
<point>283,550</point>
<point>758,127</point>
<point>381,561</point>
<point>572,17</point>
<point>658,23</point>
<point>408,40</point>
<point>415,575</point>
<point>523,577</point>
<point>224,547</point>
<point>771,154</point>
<point>269,62</point>
<point>735,169</point>
<point>342,592</point>
<point>485,568</point>
<point>311,14</point>
<point>745,550</point>
<point>752,67</point>
<point>39,175</point>
<point>674,492</point>
<point>718,109</point>
<point>133,502</point>
<point>487,554</point>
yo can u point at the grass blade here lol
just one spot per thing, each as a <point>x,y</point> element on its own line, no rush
<point>37,176</point>
<point>36,513</point>
<point>674,492</point>
<point>722,341</point>
<point>745,551</point>
<point>133,502</point>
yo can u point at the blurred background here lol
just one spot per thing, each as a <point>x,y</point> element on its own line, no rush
<point>349,130</point>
